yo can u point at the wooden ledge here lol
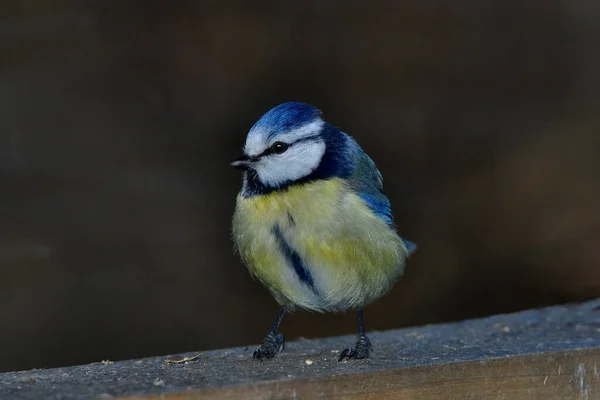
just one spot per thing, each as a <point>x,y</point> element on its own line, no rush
<point>550,353</point>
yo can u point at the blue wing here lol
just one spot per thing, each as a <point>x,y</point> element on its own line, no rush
<point>367,181</point>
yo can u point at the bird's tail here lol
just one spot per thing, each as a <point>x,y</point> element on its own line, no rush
<point>411,247</point>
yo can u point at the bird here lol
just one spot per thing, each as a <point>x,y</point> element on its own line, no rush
<point>312,222</point>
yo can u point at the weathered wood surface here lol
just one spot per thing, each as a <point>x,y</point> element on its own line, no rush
<point>551,353</point>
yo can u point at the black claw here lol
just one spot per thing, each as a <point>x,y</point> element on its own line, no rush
<point>361,349</point>
<point>270,347</point>
<point>347,352</point>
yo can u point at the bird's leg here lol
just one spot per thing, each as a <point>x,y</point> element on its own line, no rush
<point>273,343</point>
<point>363,345</point>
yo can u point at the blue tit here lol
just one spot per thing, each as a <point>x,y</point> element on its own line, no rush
<point>312,222</point>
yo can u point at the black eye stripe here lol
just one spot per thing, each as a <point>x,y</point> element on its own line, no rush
<point>271,150</point>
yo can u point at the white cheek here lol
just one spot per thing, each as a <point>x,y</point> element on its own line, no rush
<point>299,161</point>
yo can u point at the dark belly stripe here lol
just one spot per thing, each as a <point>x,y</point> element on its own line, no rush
<point>294,258</point>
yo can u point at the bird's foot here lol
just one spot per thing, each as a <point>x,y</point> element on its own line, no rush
<point>271,345</point>
<point>361,349</point>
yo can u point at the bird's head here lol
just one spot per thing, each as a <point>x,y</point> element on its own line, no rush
<point>286,145</point>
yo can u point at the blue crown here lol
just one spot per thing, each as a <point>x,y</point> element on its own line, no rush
<point>285,117</point>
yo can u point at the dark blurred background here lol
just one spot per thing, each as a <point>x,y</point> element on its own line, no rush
<point>118,121</point>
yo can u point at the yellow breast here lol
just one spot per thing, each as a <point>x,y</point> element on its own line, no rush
<point>352,255</point>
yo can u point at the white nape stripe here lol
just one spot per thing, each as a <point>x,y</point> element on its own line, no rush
<point>255,143</point>
<point>311,129</point>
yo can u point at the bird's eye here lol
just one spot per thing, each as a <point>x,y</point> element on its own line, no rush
<point>279,147</point>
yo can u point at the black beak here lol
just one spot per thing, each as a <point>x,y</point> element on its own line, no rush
<point>244,162</point>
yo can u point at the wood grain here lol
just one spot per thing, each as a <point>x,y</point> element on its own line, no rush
<point>561,375</point>
<point>550,353</point>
